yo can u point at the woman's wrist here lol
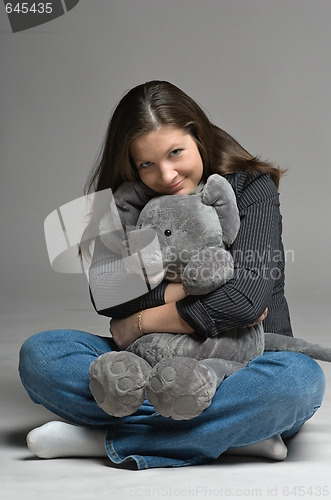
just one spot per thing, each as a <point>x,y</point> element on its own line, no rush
<point>139,321</point>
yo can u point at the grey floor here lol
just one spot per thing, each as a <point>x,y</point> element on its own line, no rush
<point>305,473</point>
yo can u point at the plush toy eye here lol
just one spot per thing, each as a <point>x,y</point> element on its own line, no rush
<point>167,232</point>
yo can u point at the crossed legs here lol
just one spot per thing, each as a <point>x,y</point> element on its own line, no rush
<point>273,396</point>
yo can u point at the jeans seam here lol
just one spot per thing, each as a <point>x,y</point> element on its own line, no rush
<point>139,459</point>
<point>111,452</point>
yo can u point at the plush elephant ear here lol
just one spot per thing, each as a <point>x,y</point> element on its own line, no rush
<point>218,193</point>
<point>130,199</point>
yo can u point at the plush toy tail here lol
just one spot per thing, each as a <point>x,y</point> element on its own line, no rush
<point>276,342</point>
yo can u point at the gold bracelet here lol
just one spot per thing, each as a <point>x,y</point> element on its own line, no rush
<point>139,323</point>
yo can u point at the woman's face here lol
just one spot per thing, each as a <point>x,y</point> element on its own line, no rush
<point>168,160</point>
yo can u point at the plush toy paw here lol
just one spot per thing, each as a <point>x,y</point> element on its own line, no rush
<point>207,270</point>
<point>117,382</point>
<point>180,388</point>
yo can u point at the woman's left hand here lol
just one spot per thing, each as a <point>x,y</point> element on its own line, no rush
<point>125,331</point>
<point>260,319</point>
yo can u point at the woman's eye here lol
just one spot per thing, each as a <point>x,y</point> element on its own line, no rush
<point>145,164</point>
<point>176,152</point>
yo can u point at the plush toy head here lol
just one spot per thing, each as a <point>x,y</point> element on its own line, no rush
<point>194,232</point>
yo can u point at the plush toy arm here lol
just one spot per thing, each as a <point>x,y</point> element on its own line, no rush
<point>219,193</point>
<point>207,270</point>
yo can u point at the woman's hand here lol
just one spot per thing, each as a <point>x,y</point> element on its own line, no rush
<point>125,331</point>
<point>260,319</point>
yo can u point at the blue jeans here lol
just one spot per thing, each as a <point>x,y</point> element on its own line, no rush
<point>275,394</point>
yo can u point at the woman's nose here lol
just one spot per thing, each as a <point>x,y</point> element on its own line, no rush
<point>167,173</point>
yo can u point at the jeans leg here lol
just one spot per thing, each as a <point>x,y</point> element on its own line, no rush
<point>275,394</point>
<point>54,367</point>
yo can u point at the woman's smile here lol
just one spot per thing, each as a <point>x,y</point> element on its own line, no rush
<point>168,160</point>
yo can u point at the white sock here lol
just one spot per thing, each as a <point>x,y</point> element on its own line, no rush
<point>59,439</point>
<point>273,448</point>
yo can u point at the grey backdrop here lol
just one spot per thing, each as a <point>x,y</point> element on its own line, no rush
<point>261,68</point>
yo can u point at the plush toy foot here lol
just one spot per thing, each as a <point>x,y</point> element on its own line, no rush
<point>117,382</point>
<point>181,388</point>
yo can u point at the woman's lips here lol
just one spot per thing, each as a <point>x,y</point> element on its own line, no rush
<point>177,186</point>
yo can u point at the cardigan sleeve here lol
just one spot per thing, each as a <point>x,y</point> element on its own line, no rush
<point>258,263</point>
<point>153,298</point>
<point>116,293</point>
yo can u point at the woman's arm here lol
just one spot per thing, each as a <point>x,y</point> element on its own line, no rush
<point>164,318</point>
<point>160,319</point>
<point>116,293</point>
<point>259,264</point>
<point>101,287</point>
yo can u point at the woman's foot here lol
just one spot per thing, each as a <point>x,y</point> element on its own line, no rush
<point>59,439</point>
<point>273,448</point>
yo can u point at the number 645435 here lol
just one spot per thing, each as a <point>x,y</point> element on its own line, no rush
<point>24,8</point>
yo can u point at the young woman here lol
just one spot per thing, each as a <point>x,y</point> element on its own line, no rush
<point>161,138</point>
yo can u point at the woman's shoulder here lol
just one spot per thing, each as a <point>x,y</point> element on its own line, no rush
<point>253,187</point>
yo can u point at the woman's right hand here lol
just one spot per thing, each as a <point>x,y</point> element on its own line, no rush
<point>125,331</point>
<point>260,319</point>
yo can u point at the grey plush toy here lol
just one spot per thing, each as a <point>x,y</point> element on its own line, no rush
<point>179,374</point>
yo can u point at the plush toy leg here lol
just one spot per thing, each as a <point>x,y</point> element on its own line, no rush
<point>182,388</point>
<point>117,382</point>
<point>275,342</point>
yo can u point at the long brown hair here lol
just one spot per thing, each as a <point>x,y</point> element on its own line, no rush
<point>156,104</point>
